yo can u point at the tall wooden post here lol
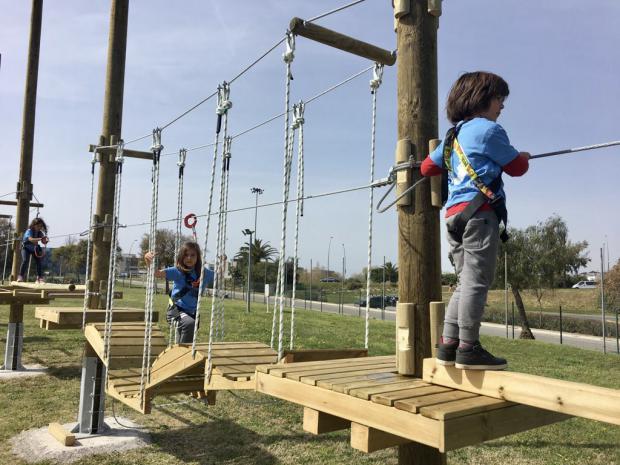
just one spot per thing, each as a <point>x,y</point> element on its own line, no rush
<point>112,122</point>
<point>419,280</point>
<point>12,356</point>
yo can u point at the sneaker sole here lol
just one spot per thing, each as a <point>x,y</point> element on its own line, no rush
<point>445,363</point>
<point>481,367</point>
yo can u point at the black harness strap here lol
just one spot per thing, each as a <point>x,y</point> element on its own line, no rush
<point>460,220</point>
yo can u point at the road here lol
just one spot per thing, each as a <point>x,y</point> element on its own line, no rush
<point>489,329</point>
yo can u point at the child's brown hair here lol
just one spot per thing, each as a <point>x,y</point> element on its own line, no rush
<point>472,94</point>
<point>38,222</point>
<point>186,246</point>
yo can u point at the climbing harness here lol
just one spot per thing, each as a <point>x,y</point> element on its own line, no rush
<point>145,372</point>
<point>486,193</point>
<point>375,83</point>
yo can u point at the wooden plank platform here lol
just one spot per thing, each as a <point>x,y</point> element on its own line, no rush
<point>578,399</point>
<point>173,369</point>
<point>385,409</point>
<point>71,317</point>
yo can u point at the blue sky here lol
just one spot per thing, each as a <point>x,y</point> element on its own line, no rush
<point>559,58</point>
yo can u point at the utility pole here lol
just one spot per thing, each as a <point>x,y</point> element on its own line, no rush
<point>92,388</point>
<point>249,232</point>
<point>419,280</point>
<point>15,330</point>
<point>256,191</point>
<point>110,133</point>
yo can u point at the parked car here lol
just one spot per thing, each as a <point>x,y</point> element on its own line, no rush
<point>375,301</point>
<point>585,285</point>
<point>330,280</point>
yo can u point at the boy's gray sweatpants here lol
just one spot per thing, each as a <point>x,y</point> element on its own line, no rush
<point>474,259</point>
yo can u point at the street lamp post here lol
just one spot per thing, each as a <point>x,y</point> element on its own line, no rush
<point>329,247</point>
<point>248,232</point>
<point>256,191</point>
<point>344,274</point>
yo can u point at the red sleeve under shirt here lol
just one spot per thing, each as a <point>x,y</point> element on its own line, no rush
<point>517,167</point>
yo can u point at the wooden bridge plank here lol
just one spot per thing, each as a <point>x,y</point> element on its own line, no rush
<point>329,382</point>
<point>367,392</point>
<point>298,375</point>
<point>413,405</point>
<point>593,402</point>
<point>461,408</point>
<point>388,398</point>
<point>326,363</point>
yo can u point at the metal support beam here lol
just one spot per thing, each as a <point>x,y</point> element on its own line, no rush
<point>92,396</point>
<point>14,343</point>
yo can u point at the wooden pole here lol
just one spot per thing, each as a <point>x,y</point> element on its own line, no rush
<point>419,280</point>
<point>340,41</point>
<point>112,123</point>
<point>24,185</point>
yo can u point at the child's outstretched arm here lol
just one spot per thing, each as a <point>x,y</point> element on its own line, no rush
<point>429,168</point>
<point>518,166</point>
<point>148,258</point>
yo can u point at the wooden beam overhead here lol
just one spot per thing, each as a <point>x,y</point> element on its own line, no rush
<point>14,203</point>
<point>126,152</point>
<point>342,42</point>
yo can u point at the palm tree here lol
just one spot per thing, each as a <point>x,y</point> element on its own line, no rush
<point>391,272</point>
<point>260,251</point>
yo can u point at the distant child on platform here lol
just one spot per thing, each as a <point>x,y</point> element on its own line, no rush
<point>185,276</point>
<point>35,235</point>
<point>475,152</point>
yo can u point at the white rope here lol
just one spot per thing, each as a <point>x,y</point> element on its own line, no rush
<point>181,165</point>
<point>145,373</point>
<point>226,156</point>
<point>113,252</point>
<point>216,145</point>
<point>374,87</point>
<point>288,57</point>
<point>224,104</point>
<point>298,124</point>
<point>90,239</point>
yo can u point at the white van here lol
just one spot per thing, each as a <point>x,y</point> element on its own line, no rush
<point>585,285</point>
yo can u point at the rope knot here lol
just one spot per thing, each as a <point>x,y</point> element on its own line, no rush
<point>298,114</point>
<point>156,146</point>
<point>377,77</point>
<point>223,98</point>
<point>289,55</point>
<point>182,157</point>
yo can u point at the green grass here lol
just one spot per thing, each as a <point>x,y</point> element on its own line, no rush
<point>249,428</point>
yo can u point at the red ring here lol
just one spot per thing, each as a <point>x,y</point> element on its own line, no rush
<point>188,221</point>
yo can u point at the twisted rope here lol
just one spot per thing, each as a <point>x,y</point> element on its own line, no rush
<point>89,240</point>
<point>374,87</point>
<point>298,124</point>
<point>145,373</point>
<point>288,57</point>
<point>109,306</point>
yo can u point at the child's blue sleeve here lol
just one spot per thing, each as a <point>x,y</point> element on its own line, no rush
<point>437,155</point>
<point>172,273</point>
<point>208,278</point>
<point>27,235</point>
<point>498,146</point>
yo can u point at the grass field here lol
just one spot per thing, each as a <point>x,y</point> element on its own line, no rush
<point>249,428</point>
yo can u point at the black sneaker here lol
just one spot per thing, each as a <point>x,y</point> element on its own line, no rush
<point>446,354</point>
<point>477,358</point>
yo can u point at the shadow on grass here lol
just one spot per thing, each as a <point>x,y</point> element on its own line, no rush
<point>541,444</point>
<point>221,440</point>
<point>65,372</point>
<point>31,339</point>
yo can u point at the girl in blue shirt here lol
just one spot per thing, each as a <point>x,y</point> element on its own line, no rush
<point>35,235</point>
<point>185,276</point>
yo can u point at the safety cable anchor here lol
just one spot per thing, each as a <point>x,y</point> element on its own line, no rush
<point>156,147</point>
<point>223,98</point>
<point>377,77</point>
<point>182,158</point>
<point>298,114</point>
<point>289,55</point>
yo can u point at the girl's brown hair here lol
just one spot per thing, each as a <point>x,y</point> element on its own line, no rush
<point>185,247</point>
<point>38,222</point>
<point>472,94</point>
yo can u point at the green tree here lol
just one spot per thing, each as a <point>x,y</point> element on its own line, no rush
<point>261,251</point>
<point>612,288</point>
<point>538,257</point>
<point>165,251</point>
<point>391,273</point>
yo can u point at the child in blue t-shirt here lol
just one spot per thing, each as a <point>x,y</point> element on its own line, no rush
<point>479,153</point>
<point>185,277</point>
<point>35,235</point>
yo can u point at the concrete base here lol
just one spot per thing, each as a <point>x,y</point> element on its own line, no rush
<point>26,372</point>
<point>36,445</point>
